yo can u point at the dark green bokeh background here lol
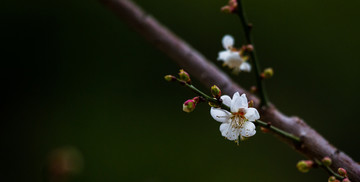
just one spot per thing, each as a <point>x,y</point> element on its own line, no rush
<point>74,75</point>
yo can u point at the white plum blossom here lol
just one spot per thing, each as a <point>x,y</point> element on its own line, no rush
<point>239,121</point>
<point>232,57</point>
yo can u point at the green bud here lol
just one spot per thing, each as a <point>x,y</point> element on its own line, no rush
<point>304,165</point>
<point>268,73</point>
<point>326,161</point>
<point>215,91</point>
<point>184,76</point>
<point>169,78</point>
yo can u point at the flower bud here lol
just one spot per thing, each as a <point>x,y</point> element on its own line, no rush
<point>304,165</point>
<point>332,179</point>
<point>268,73</point>
<point>253,89</point>
<point>342,172</point>
<point>251,103</point>
<point>231,7</point>
<point>215,91</point>
<point>169,78</point>
<point>184,76</point>
<point>346,180</point>
<point>249,48</point>
<point>226,9</point>
<point>189,105</point>
<point>326,161</point>
<point>196,99</point>
<point>264,130</point>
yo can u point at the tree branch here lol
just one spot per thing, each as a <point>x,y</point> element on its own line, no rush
<point>313,146</point>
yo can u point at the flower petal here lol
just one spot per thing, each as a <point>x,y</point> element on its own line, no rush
<point>252,114</point>
<point>245,66</point>
<point>223,55</point>
<point>227,41</point>
<point>229,132</point>
<point>226,100</point>
<point>220,115</point>
<point>224,128</point>
<point>248,129</point>
<point>233,60</point>
<point>238,102</point>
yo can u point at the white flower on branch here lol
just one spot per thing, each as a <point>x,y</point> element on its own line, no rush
<point>238,122</point>
<point>232,57</point>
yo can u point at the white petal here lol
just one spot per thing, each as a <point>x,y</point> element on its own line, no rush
<point>248,129</point>
<point>245,66</point>
<point>236,95</point>
<point>229,132</point>
<point>238,102</point>
<point>226,100</point>
<point>227,41</point>
<point>252,114</point>
<point>220,115</point>
<point>224,128</point>
<point>223,55</point>
<point>233,60</point>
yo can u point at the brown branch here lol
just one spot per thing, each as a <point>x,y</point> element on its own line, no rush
<point>313,146</point>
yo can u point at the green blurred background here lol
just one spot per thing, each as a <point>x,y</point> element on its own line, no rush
<point>77,80</point>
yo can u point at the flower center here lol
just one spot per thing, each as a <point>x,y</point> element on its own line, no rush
<point>238,118</point>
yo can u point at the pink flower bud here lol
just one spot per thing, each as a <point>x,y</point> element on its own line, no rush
<point>342,172</point>
<point>249,48</point>
<point>326,161</point>
<point>346,180</point>
<point>332,179</point>
<point>189,105</point>
<point>231,7</point>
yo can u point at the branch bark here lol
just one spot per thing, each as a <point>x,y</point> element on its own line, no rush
<point>313,146</point>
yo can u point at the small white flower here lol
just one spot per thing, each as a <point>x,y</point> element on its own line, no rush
<point>239,120</point>
<point>231,57</point>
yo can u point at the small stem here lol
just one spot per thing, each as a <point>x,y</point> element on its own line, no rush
<point>247,30</point>
<point>328,169</point>
<point>206,97</point>
<point>278,131</point>
<point>259,122</point>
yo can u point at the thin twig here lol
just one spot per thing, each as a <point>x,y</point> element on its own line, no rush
<point>264,101</point>
<point>328,169</point>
